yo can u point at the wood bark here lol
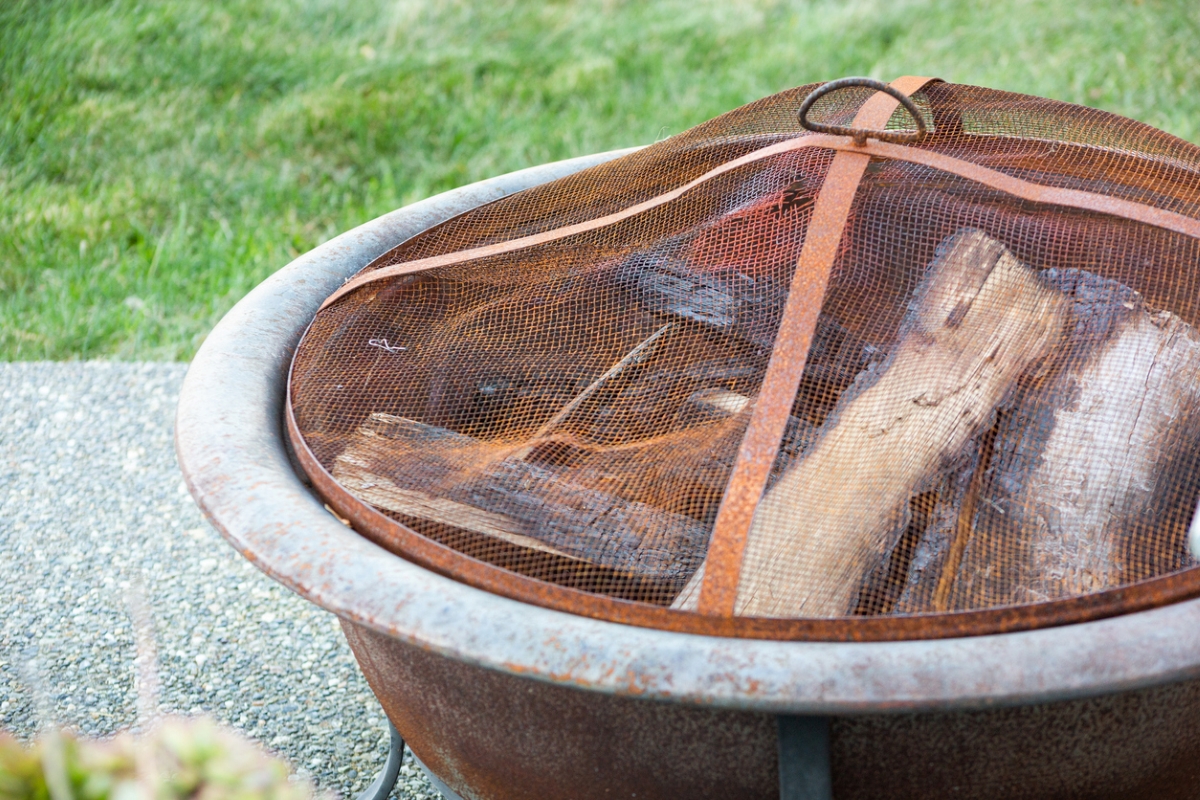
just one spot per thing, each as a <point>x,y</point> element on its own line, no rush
<point>1092,483</point>
<point>724,300</point>
<point>980,319</point>
<point>929,578</point>
<point>439,476</point>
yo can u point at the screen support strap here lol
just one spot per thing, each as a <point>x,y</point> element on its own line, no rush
<point>768,420</point>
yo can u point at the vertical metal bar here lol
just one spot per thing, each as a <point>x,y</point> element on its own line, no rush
<point>804,766</point>
<point>789,354</point>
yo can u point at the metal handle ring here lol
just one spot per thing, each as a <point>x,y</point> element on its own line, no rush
<point>860,134</point>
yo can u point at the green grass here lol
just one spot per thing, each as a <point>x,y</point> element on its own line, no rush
<point>158,159</point>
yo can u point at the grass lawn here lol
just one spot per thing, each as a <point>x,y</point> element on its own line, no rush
<point>158,159</point>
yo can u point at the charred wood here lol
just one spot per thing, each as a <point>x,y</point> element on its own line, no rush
<point>1093,477</point>
<point>428,473</point>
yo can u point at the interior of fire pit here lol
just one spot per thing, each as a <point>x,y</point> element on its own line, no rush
<point>995,427</point>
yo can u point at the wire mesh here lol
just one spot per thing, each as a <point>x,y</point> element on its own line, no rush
<point>998,412</point>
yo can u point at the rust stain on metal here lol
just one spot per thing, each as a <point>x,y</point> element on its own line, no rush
<point>446,561</point>
<point>499,737</point>
<point>768,421</point>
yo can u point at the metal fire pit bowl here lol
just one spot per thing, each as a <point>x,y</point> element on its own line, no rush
<point>502,700</point>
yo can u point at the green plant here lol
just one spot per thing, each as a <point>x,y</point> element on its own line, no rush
<point>193,758</point>
<point>157,160</point>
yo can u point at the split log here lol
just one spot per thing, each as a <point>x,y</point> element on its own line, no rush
<point>980,319</point>
<point>436,475</point>
<point>683,471</point>
<point>1092,483</point>
<point>505,366</point>
<point>724,300</point>
<point>631,433</point>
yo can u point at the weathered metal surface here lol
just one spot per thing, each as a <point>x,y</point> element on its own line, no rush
<point>900,92</point>
<point>1142,745</point>
<point>231,448</point>
<point>439,558</point>
<point>491,736</point>
<point>805,765</point>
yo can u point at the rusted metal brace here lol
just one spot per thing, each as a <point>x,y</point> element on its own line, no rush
<point>385,781</point>
<point>752,467</point>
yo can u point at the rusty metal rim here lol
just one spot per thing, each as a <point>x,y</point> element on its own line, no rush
<point>444,560</point>
<point>231,447</point>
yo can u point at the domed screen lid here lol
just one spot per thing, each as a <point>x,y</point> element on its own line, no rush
<point>854,361</point>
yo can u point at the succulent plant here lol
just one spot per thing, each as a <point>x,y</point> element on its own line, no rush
<point>193,758</point>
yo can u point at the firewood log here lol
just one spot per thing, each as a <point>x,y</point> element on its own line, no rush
<point>636,356</point>
<point>732,303</point>
<point>928,579</point>
<point>724,300</point>
<point>683,471</point>
<point>1087,479</point>
<point>433,474</point>
<point>980,319</point>
<point>504,366</point>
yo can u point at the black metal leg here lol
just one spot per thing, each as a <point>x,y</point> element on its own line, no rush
<point>382,786</point>
<point>804,771</point>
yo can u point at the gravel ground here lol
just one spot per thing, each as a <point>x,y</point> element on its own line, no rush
<point>92,504</point>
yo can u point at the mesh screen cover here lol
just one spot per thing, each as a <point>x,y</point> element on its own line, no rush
<point>995,428</point>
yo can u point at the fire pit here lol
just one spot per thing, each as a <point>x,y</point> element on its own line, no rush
<point>518,663</point>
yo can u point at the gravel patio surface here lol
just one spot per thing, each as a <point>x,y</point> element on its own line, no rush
<point>92,504</point>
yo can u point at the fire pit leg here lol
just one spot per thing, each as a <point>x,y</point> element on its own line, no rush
<point>804,772</point>
<point>382,786</point>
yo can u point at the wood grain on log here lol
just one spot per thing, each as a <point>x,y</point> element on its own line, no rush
<point>1083,480</point>
<point>440,476</point>
<point>725,300</point>
<point>633,358</point>
<point>980,319</point>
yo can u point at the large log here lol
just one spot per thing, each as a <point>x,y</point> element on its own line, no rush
<point>929,578</point>
<point>980,320</point>
<point>436,475</point>
<point>1091,484</point>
